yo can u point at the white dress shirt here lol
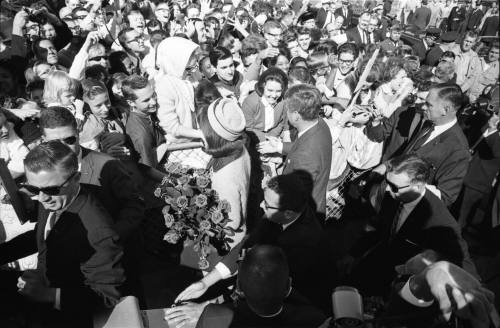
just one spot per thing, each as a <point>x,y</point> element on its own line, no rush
<point>439,129</point>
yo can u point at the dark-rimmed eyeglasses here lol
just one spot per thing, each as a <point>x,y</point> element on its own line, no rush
<point>395,188</point>
<point>347,62</point>
<point>138,39</point>
<point>267,206</point>
<point>98,58</point>
<point>50,191</point>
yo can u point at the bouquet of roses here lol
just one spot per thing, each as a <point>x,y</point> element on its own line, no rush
<point>194,213</point>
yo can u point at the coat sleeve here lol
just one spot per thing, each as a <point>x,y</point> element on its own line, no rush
<point>103,274</point>
<point>167,104</point>
<point>449,177</point>
<point>131,209</point>
<point>250,110</point>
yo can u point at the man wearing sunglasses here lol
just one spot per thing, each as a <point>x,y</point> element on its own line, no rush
<point>412,220</point>
<point>79,261</point>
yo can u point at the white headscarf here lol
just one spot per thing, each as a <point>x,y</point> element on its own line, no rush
<point>173,55</point>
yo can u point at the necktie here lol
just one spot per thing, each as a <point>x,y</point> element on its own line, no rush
<point>420,137</point>
<point>395,220</point>
<point>368,41</point>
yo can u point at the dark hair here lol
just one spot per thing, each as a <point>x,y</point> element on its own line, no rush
<point>272,61</point>
<point>304,99</point>
<point>449,54</point>
<point>271,74</point>
<point>39,52</point>
<point>116,65</point>
<point>262,7</point>
<point>219,53</point>
<point>296,60</point>
<point>132,83</point>
<point>252,44</point>
<point>36,84</point>
<point>56,117</point>
<point>351,48</point>
<point>97,72</point>
<point>423,80</point>
<point>302,31</point>
<point>300,74</point>
<point>91,88</point>
<point>418,169</point>
<point>122,37</point>
<point>392,67</point>
<point>264,278</point>
<point>216,145</point>
<point>205,93</point>
<point>451,93</point>
<point>292,191</point>
<point>49,155</point>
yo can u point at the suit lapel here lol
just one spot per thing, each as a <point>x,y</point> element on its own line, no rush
<point>86,166</point>
<point>303,138</point>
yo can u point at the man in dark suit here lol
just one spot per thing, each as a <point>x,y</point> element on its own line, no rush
<point>422,16</point>
<point>476,17</point>
<point>457,16</point>
<point>311,152</point>
<point>411,221</point>
<point>472,205</point>
<point>113,184</point>
<point>290,223</point>
<point>427,43</point>
<point>265,298</point>
<point>359,33</point>
<point>346,12</point>
<point>438,138</point>
<point>142,123</point>
<point>375,34</point>
<point>79,269</point>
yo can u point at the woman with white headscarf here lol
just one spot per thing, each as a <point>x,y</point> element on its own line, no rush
<point>177,61</point>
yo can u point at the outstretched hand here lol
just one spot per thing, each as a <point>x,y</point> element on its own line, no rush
<point>458,292</point>
<point>193,291</point>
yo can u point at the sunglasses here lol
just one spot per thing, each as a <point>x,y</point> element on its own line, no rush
<point>395,188</point>
<point>98,58</point>
<point>50,191</point>
<point>69,141</point>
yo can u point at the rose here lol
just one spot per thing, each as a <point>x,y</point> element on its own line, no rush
<point>171,237</point>
<point>201,201</point>
<point>157,192</point>
<point>184,179</point>
<point>224,205</point>
<point>205,225</point>
<point>216,216</point>
<point>169,220</point>
<point>202,181</point>
<point>182,202</point>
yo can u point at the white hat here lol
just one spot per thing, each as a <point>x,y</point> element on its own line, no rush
<point>226,118</point>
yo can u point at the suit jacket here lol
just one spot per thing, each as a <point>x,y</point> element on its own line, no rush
<point>113,186</point>
<point>347,20</point>
<point>422,17</point>
<point>420,50</point>
<point>475,20</point>
<point>448,152</point>
<point>311,153</point>
<point>429,226</point>
<point>353,35</point>
<point>490,26</point>
<point>433,56</point>
<point>146,136</point>
<point>297,312</point>
<point>485,164</point>
<point>81,255</point>
<point>302,243</point>
<point>255,115</point>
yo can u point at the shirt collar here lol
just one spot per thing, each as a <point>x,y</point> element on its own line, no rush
<point>411,205</point>
<point>438,129</point>
<point>286,225</point>
<point>304,131</point>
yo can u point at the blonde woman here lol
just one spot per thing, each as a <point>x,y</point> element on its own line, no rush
<point>60,90</point>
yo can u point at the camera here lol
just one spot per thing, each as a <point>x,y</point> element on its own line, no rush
<point>36,16</point>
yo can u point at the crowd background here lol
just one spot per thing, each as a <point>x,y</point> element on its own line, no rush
<point>357,143</point>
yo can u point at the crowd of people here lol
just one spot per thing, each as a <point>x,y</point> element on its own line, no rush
<point>357,144</point>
